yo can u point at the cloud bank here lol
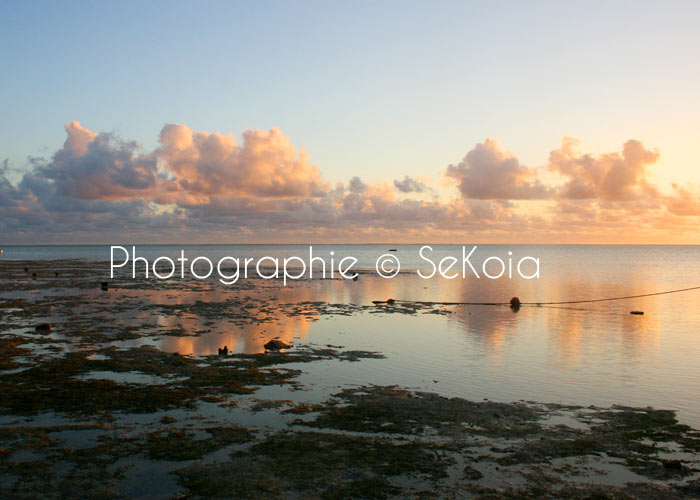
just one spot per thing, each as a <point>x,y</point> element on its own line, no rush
<point>206,187</point>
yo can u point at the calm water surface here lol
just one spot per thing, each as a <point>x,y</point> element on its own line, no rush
<point>582,354</point>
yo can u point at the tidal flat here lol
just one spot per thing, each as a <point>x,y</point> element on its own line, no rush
<point>125,393</point>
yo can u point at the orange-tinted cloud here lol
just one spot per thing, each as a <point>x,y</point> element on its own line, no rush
<point>489,172</point>
<point>685,201</point>
<point>265,165</point>
<point>201,186</point>
<point>610,177</point>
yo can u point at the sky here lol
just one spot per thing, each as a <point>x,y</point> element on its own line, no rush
<point>391,121</point>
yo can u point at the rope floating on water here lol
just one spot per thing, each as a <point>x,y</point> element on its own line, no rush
<point>586,301</point>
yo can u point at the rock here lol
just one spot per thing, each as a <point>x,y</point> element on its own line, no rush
<point>223,351</point>
<point>638,313</point>
<point>672,464</point>
<point>276,345</point>
<point>390,302</point>
<point>105,285</point>
<point>34,276</point>
<point>43,327</point>
<point>471,473</point>
<point>355,278</point>
<point>56,273</point>
<point>26,269</point>
<point>515,303</point>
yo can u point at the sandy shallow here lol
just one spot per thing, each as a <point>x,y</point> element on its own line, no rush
<point>122,393</point>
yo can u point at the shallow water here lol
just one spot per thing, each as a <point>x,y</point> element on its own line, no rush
<point>583,354</point>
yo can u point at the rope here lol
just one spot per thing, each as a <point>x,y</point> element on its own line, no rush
<point>587,301</point>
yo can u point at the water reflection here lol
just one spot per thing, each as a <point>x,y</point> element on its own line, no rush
<point>241,339</point>
<point>596,353</point>
<point>203,320</point>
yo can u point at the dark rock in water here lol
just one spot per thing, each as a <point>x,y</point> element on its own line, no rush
<point>26,269</point>
<point>276,345</point>
<point>43,327</point>
<point>515,303</point>
<point>34,276</point>
<point>471,473</point>
<point>105,285</point>
<point>672,464</point>
<point>56,273</point>
<point>223,351</point>
<point>390,302</point>
<point>355,278</point>
<point>392,250</point>
<point>638,313</point>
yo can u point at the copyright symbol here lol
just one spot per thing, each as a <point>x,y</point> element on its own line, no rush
<point>388,265</point>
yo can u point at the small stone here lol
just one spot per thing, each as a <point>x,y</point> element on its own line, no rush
<point>276,345</point>
<point>673,464</point>
<point>471,473</point>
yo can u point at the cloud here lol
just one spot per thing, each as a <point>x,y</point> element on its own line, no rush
<point>204,165</point>
<point>100,166</point>
<point>410,185</point>
<point>610,177</point>
<point>685,200</point>
<point>356,185</point>
<point>489,172</point>
<point>206,187</point>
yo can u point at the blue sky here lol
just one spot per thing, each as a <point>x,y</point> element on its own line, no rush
<point>375,89</point>
<point>394,102</point>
